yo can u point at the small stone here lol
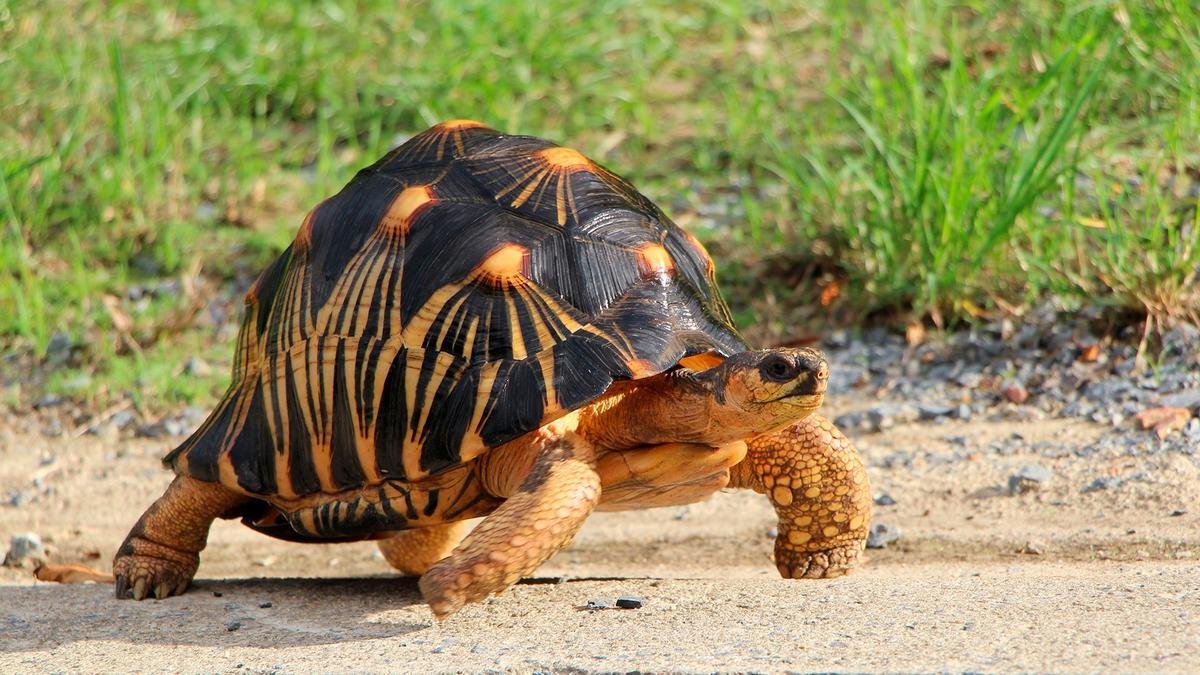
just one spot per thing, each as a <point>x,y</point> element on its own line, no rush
<point>1032,548</point>
<point>48,401</point>
<point>1030,477</point>
<point>218,594</point>
<point>1016,393</point>
<point>970,379</point>
<point>54,428</point>
<point>22,547</point>
<point>122,419</point>
<point>232,625</point>
<point>265,605</point>
<point>1178,512</point>
<point>599,604</point>
<point>963,412</point>
<point>851,420</point>
<point>1193,429</point>
<point>772,533</point>
<point>929,412</point>
<point>630,602</point>
<point>886,416</point>
<point>197,367</point>
<point>1103,483</point>
<point>19,498</point>
<point>106,431</point>
<point>1188,398</point>
<point>884,499</point>
<point>58,349</point>
<point>206,211</point>
<point>881,535</point>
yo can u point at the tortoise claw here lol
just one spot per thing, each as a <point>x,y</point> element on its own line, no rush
<point>139,588</point>
<point>121,586</point>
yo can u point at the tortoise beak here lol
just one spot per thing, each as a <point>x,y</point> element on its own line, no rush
<point>811,383</point>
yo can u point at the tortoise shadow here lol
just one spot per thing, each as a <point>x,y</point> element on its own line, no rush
<point>249,612</point>
<point>216,612</point>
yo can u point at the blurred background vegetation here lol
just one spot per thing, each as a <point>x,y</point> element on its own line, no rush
<point>858,163</point>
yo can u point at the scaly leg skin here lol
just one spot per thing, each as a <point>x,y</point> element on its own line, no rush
<point>414,551</point>
<point>161,553</point>
<point>818,484</point>
<point>670,474</point>
<point>534,523</point>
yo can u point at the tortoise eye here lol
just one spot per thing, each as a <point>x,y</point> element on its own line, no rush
<point>777,369</point>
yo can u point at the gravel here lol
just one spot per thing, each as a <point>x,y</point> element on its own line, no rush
<point>1049,364</point>
<point>878,418</point>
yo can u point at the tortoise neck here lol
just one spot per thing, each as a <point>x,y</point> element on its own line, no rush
<point>673,407</point>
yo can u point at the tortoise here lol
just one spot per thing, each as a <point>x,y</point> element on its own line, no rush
<point>491,325</point>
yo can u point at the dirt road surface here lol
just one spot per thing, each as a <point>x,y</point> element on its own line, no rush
<point>1058,578</point>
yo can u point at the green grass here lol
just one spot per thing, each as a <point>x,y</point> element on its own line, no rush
<point>927,159</point>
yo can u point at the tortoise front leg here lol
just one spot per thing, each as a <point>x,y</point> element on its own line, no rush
<point>818,484</point>
<point>534,523</point>
<point>162,551</point>
<point>414,551</point>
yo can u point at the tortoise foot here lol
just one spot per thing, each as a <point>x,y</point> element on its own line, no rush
<point>150,569</point>
<point>447,589</point>
<point>533,524</point>
<point>818,485</point>
<point>835,562</point>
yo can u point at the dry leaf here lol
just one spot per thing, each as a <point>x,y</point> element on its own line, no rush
<point>914,333</point>
<point>71,573</point>
<point>972,309</point>
<point>1164,420</point>
<point>120,319</point>
<point>1095,223</point>
<point>1089,354</point>
<point>830,293</point>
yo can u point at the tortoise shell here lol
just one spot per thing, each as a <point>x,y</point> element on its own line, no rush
<point>467,288</point>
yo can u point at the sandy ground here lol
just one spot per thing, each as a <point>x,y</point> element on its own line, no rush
<point>1115,582</point>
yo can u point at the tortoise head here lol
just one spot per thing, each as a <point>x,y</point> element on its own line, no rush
<point>758,391</point>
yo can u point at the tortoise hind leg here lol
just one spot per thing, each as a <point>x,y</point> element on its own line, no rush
<point>536,521</point>
<point>414,551</point>
<point>161,553</point>
<point>818,485</point>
